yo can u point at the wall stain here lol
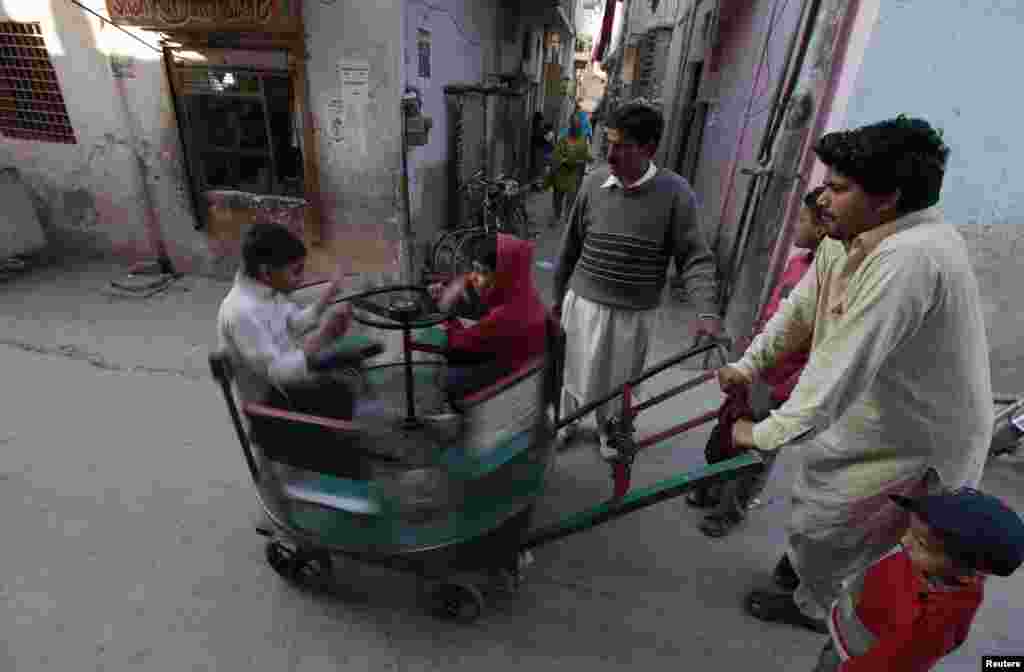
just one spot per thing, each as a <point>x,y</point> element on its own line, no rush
<point>80,209</point>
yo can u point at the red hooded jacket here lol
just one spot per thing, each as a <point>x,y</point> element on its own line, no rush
<point>514,327</point>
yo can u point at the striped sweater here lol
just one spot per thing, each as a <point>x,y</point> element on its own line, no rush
<point>618,243</point>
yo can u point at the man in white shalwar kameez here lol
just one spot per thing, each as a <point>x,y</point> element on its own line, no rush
<point>898,383</point>
<point>628,222</point>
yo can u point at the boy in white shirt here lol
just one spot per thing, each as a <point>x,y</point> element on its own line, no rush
<point>273,343</point>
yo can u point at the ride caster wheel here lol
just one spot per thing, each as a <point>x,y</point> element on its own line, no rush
<point>303,568</point>
<point>460,602</point>
<point>506,582</point>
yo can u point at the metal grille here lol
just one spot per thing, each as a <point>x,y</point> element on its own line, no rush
<point>31,103</point>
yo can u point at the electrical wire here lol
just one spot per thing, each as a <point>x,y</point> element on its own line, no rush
<point>767,54</point>
<point>766,51</point>
<point>106,20</point>
<point>447,12</point>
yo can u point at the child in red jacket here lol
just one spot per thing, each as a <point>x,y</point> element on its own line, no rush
<point>512,328</point>
<point>916,605</point>
<point>732,498</point>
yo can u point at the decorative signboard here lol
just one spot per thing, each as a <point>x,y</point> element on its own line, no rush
<point>271,15</point>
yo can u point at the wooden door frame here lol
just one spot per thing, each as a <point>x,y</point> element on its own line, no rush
<point>294,47</point>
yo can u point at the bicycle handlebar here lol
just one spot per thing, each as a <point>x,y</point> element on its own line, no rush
<point>479,178</point>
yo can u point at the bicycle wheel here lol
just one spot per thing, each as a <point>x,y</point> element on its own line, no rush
<point>519,222</point>
<point>444,250</point>
<point>462,261</point>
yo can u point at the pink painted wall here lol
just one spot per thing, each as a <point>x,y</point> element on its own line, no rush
<point>736,121</point>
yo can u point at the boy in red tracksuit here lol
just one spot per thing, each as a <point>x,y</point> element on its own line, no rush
<point>513,327</point>
<point>732,498</point>
<point>916,605</point>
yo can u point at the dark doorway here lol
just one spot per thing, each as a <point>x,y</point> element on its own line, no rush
<point>694,115</point>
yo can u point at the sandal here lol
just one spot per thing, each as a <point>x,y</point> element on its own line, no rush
<point>780,608</point>
<point>717,525</point>
<point>785,576</point>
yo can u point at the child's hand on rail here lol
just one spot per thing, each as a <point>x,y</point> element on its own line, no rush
<point>731,379</point>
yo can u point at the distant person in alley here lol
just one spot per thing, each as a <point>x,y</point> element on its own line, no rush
<point>898,378</point>
<point>628,222</point>
<point>568,166</point>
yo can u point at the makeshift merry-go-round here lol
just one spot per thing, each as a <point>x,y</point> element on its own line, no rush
<point>450,501</point>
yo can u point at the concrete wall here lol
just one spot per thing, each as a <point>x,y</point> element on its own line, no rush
<point>92,195</point>
<point>464,46</point>
<point>739,110</point>
<point>360,178</point>
<point>962,76</point>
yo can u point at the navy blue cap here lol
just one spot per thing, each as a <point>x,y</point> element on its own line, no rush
<point>980,531</point>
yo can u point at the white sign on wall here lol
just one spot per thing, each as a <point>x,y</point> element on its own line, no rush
<point>354,78</point>
<point>335,120</point>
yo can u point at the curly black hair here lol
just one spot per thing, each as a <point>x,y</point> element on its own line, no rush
<point>902,154</point>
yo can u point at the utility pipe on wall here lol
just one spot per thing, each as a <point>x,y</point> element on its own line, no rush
<point>757,189</point>
<point>780,253</point>
<point>408,240</point>
<point>735,161</point>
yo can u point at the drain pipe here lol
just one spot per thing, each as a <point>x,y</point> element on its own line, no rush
<point>408,243</point>
<point>756,189</point>
<point>738,151</point>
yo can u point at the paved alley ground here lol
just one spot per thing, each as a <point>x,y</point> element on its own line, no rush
<point>128,540</point>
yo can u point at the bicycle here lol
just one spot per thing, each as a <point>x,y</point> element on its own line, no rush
<point>502,209</point>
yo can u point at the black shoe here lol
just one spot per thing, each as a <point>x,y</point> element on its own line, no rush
<point>785,576</point>
<point>717,525</point>
<point>780,608</point>
<point>702,498</point>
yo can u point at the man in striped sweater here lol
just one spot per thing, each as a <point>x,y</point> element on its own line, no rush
<point>629,220</point>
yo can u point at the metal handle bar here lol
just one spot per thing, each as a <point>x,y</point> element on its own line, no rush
<point>650,373</point>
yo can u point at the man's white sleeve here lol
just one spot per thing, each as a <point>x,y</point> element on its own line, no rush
<point>886,305</point>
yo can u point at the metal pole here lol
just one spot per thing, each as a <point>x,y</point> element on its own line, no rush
<point>410,407</point>
<point>407,232</point>
<point>649,373</point>
<point>805,120</point>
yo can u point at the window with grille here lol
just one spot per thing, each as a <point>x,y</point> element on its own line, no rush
<point>31,104</point>
<point>240,129</point>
